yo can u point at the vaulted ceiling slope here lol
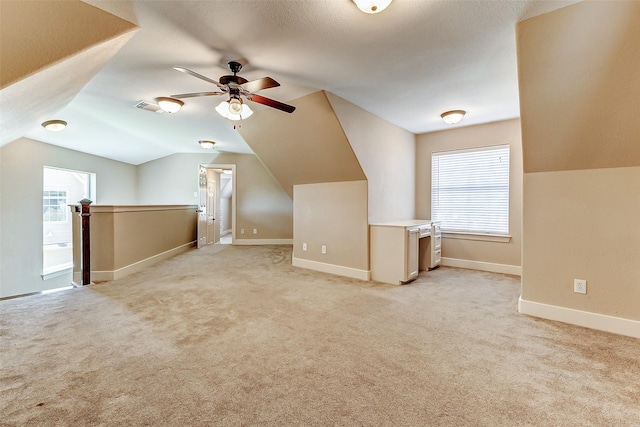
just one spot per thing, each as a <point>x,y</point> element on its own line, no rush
<point>406,65</point>
<point>312,148</point>
<point>49,51</point>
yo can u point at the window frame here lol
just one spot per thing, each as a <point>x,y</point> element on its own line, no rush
<point>500,230</point>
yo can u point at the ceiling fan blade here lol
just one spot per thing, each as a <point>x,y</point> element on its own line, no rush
<point>194,74</point>
<point>259,84</point>
<point>272,103</point>
<point>193,95</point>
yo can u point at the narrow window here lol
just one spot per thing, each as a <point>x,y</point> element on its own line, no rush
<point>470,190</point>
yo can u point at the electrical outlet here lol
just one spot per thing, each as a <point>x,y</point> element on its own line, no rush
<point>255,231</point>
<point>324,249</point>
<point>304,246</point>
<point>579,286</point>
<point>242,231</point>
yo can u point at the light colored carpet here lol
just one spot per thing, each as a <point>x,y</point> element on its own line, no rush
<point>236,336</point>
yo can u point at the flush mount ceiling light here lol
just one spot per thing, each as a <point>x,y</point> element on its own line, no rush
<point>54,125</point>
<point>372,6</point>
<point>169,105</point>
<point>452,117</point>
<point>234,109</point>
<point>206,144</point>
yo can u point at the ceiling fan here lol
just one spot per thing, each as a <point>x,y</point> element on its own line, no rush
<point>236,87</point>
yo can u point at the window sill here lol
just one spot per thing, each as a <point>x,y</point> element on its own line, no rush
<point>473,236</point>
<point>57,273</point>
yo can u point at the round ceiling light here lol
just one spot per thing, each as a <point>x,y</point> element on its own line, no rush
<point>206,144</point>
<point>170,105</point>
<point>372,6</point>
<point>54,125</point>
<point>452,117</point>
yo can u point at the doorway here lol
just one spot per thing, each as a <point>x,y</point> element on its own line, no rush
<point>218,204</point>
<point>61,187</point>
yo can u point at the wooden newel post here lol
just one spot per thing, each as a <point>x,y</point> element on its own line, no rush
<point>86,242</point>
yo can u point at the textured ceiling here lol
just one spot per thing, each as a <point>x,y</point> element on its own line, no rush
<point>407,65</point>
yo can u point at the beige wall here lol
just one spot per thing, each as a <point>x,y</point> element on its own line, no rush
<point>56,30</point>
<point>332,214</point>
<point>260,203</point>
<point>305,147</point>
<point>387,156</point>
<point>504,132</point>
<point>579,90</point>
<point>21,171</point>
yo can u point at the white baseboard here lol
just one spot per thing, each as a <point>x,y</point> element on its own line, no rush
<point>515,270</point>
<point>102,276</point>
<point>339,270</point>
<point>253,242</point>
<point>601,322</point>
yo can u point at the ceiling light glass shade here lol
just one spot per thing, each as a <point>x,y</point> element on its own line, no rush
<point>453,117</point>
<point>54,125</point>
<point>170,105</point>
<point>206,144</point>
<point>235,106</point>
<point>372,6</point>
<point>224,109</point>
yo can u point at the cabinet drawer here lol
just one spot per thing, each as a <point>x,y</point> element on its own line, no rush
<point>437,242</point>
<point>437,257</point>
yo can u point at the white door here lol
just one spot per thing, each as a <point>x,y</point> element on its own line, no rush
<point>202,208</point>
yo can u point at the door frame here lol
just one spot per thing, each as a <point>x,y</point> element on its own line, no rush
<point>234,199</point>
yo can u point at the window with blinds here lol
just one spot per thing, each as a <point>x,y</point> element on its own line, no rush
<point>470,190</point>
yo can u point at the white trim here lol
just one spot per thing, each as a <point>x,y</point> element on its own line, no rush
<point>252,242</point>
<point>104,276</point>
<point>476,236</point>
<point>339,270</point>
<point>515,270</point>
<point>601,322</point>
<point>139,208</point>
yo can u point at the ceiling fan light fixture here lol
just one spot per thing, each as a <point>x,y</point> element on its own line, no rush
<point>452,117</point>
<point>229,110</point>
<point>206,144</point>
<point>372,6</point>
<point>54,125</point>
<point>169,105</point>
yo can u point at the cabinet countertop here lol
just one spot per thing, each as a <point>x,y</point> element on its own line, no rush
<point>403,223</point>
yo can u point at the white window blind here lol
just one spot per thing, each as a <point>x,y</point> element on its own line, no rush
<point>470,190</point>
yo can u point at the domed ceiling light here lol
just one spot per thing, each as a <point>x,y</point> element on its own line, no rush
<point>54,125</point>
<point>169,105</point>
<point>206,144</point>
<point>372,6</point>
<point>452,117</point>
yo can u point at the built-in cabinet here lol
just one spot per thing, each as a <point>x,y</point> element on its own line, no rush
<point>400,249</point>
